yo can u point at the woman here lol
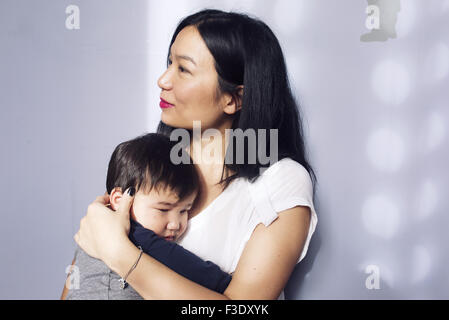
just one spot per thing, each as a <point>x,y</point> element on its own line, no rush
<point>227,71</point>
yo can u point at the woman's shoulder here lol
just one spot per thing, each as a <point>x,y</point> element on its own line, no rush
<point>284,185</point>
<point>286,170</point>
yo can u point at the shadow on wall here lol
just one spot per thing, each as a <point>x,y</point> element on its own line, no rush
<point>294,287</point>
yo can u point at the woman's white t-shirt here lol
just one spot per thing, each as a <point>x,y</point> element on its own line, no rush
<point>220,232</point>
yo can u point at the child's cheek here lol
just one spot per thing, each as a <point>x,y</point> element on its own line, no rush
<point>184,226</point>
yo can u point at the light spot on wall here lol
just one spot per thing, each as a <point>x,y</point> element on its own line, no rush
<point>385,150</point>
<point>381,216</point>
<point>391,82</point>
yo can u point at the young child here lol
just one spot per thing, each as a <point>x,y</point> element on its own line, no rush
<point>164,193</point>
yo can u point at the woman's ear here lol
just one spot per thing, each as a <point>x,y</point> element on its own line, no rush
<point>115,197</point>
<point>233,103</point>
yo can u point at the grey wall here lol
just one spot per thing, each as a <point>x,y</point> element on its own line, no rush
<point>376,116</point>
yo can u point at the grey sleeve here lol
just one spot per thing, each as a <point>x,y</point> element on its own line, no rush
<point>93,280</point>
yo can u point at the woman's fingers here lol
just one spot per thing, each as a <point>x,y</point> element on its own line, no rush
<point>101,223</point>
<point>76,237</point>
<point>126,202</point>
<point>104,199</point>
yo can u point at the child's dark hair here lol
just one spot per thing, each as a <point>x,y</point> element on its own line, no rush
<point>144,163</point>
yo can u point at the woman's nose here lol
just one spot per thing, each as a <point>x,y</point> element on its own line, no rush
<point>164,81</point>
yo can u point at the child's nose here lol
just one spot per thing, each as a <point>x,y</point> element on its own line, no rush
<point>174,224</point>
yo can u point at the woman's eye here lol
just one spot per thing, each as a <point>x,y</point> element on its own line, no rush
<point>184,211</point>
<point>182,69</point>
<point>163,210</point>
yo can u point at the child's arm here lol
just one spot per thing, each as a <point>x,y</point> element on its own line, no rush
<point>65,291</point>
<point>180,260</point>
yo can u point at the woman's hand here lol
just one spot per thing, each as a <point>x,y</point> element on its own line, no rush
<point>103,230</point>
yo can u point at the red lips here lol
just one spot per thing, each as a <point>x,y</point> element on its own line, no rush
<point>164,104</point>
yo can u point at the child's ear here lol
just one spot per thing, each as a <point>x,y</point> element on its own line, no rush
<point>115,197</point>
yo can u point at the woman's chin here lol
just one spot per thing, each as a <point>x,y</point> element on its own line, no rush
<point>166,119</point>
<point>169,121</point>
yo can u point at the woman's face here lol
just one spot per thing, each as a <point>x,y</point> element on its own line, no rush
<point>189,86</point>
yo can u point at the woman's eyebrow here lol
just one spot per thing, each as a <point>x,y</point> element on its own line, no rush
<point>186,58</point>
<point>182,56</point>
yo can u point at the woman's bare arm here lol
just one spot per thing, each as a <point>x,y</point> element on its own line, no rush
<point>263,270</point>
<point>153,280</point>
<point>270,256</point>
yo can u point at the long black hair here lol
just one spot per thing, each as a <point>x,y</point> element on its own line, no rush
<point>247,53</point>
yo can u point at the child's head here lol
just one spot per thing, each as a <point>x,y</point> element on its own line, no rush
<point>164,191</point>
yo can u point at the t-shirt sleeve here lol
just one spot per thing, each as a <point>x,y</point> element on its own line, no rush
<point>282,186</point>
